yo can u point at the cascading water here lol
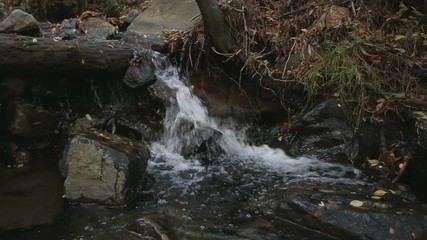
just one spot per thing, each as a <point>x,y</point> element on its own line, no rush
<point>187,114</point>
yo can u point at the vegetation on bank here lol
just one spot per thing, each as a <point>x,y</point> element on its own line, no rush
<point>360,51</point>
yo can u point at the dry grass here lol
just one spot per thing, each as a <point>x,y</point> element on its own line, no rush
<point>357,60</point>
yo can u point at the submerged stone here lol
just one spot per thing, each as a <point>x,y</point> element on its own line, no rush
<point>31,121</point>
<point>102,168</point>
<point>359,212</point>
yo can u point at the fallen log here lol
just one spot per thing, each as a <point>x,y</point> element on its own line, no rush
<point>28,54</point>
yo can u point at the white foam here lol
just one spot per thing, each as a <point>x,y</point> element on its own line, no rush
<point>188,107</point>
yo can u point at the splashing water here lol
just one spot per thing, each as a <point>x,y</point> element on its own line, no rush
<point>187,109</point>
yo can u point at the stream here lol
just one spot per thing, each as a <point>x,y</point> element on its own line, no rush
<point>233,193</point>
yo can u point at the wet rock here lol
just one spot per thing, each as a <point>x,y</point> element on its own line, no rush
<point>83,124</point>
<point>323,132</point>
<point>141,70</point>
<point>20,22</point>
<point>102,168</point>
<point>359,212</point>
<point>199,141</point>
<point>31,121</point>
<point>225,99</point>
<point>161,93</point>
<point>147,228</point>
<point>11,88</point>
<point>98,28</point>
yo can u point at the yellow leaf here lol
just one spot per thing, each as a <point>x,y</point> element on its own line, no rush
<point>376,197</point>
<point>380,193</point>
<point>280,138</point>
<point>373,162</point>
<point>356,203</point>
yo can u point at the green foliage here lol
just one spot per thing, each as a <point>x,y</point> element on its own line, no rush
<point>411,13</point>
<point>343,71</point>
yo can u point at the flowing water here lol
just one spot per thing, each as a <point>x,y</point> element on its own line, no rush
<point>234,196</point>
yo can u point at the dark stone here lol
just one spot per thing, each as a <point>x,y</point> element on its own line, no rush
<point>199,141</point>
<point>323,132</point>
<point>141,71</point>
<point>161,93</point>
<point>395,215</point>
<point>11,88</point>
<point>96,27</point>
<point>31,121</point>
<point>102,168</point>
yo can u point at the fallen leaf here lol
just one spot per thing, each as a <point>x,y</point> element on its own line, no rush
<point>269,225</point>
<point>280,138</point>
<point>380,193</point>
<point>414,236</point>
<point>376,197</point>
<point>392,231</point>
<point>356,203</point>
<point>321,204</point>
<point>373,162</point>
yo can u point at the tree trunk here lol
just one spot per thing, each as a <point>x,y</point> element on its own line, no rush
<point>28,54</point>
<point>215,26</point>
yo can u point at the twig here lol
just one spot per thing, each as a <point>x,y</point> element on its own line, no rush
<point>287,60</point>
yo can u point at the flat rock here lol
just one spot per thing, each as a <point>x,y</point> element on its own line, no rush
<point>360,212</point>
<point>164,15</point>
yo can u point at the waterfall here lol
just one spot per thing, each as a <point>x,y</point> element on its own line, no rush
<point>187,114</point>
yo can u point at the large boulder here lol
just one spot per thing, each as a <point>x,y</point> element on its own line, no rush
<point>102,168</point>
<point>20,22</point>
<point>323,132</point>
